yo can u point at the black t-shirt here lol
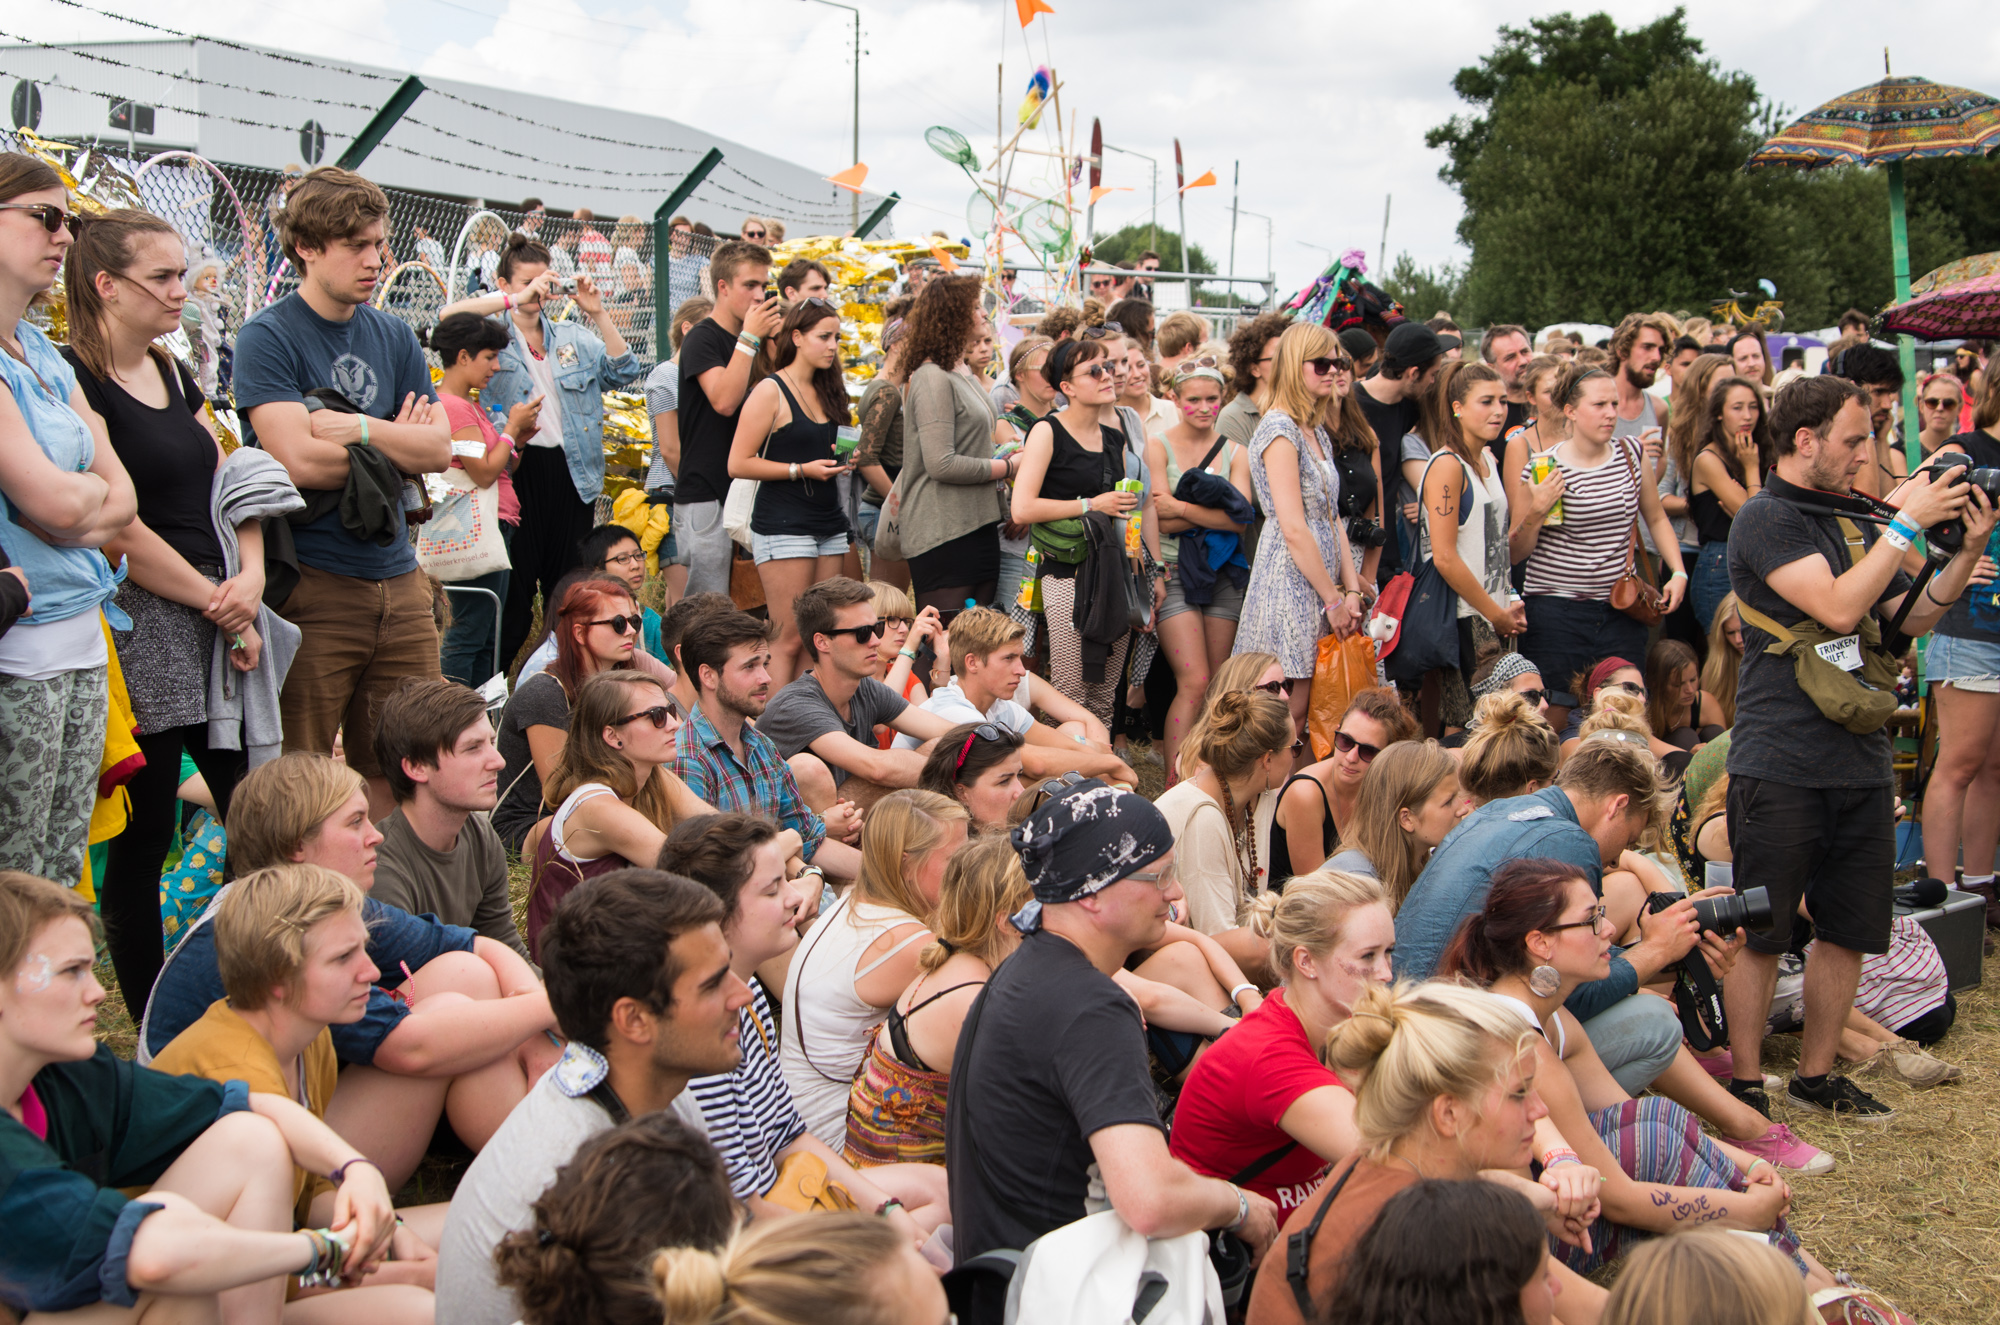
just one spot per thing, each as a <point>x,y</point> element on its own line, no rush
<point>1780,734</point>
<point>1051,1052</point>
<point>1391,422</point>
<point>169,455</point>
<point>1357,481</point>
<point>1976,614</point>
<point>1517,414</point>
<point>705,431</point>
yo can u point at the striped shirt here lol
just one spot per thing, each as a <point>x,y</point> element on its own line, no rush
<point>749,1112</point>
<point>1904,983</point>
<point>1583,556</point>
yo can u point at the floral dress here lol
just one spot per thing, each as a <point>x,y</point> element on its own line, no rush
<point>1282,613</point>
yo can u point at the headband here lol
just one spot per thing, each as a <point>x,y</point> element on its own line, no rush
<point>1619,734</point>
<point>1506,668</point>
<point>1187,374</point>
<point>1602,673</point>
<point>1082,841</point>
<point>1056,366</point>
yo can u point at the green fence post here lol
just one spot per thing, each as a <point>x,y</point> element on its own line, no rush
<point>877,216</point>
<point>380,123</point>
<point>663,306</point>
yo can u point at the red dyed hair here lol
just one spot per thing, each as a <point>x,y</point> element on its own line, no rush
<point>582,603</point>
<point>1523,896</point>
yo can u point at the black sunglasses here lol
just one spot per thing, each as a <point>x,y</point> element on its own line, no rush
<point>52,217</point>
<point>754,234</point>
<point>1326,363</point>
<point>1109,327</point>
<point>621,624</point>
<point>862,634</point>
<point>1347,744</point>
<point>657,715</point>
<point>1283,687</point>
<point>985,731</point>
<point>1534,697</point>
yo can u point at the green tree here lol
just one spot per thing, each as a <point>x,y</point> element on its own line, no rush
<point>1423,291</point>
<point>1127,244</point>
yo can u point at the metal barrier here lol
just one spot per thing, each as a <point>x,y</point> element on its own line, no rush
<point>450,589</point>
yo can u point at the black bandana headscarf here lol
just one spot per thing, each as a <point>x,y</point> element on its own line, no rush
<point>1084,840</point>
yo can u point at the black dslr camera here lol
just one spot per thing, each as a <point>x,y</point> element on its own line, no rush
<point>1749,910</point>
<point>1697,993</point>
<point>1363,532</point>
<point>1948,536</point>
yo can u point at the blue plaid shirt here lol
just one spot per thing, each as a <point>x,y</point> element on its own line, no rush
<point>704,761</point>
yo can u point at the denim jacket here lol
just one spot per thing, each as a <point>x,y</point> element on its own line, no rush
<point>583,372</point>
<point>65,581</point>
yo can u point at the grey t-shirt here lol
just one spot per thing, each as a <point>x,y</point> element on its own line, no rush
<point>801,713</point>
<point>1780,735</point>
<point>538,701</point>
<point>464,886</point>
<point>1352,861</point>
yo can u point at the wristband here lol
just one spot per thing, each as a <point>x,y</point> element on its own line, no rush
<point>1242,1210</point>
<point>745,338</point>
<point>1240,988</point>
<point>1897,537</point>
<point>1930,592</point>
<point>339,1175</point>
<point>1082,507</point>
<point>507,301</point>
<point>743,347</point>
<point>890,1204</point>
<point>1677,575</point>
<point>911,654</point>
<point>366,442</point>
<point>1560,1155</point>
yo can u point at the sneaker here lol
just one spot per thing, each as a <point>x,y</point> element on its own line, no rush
<point>1905,1061</point>
<point>1838,1096</point>
<point>1721,1064</point>
<point>1756,1094</point>
<point>1786,1151</point>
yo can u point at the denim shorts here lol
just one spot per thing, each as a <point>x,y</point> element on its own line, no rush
<point>1226,605</point>
<point>1971,665</point>
<point>781,547</point>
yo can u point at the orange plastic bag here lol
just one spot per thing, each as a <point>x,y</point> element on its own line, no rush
<point>1344,667</point>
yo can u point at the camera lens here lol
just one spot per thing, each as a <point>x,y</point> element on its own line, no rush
<point>1748,910</point>
<point>1987,481</point>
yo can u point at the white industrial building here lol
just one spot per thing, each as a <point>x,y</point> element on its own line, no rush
<point>265,108</point>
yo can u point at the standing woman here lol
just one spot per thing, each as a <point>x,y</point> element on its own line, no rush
<point>878,459</point>
<point>1356,453</point>
<point>784,440</point>
<point>570,367</point>
<point>123,278</point>
<point>66,494</point>
<point>950,514</point>
<point>1684,419</point>
<point>1197,638</point>
<point>1545,427</point>
<point>1464,522</point>
<point>1034,402</point>
<point>1304,582</point>
<point>1573,566</point>
<point>1732,446</point>
<point>469,347</point>
<point>1072,462</point>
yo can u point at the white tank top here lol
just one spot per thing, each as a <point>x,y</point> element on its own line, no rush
<point>827,1026</point>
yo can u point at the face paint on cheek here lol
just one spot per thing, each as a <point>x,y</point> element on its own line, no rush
<point>35,975</point>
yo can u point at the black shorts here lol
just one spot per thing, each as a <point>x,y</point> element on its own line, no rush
<point>1833,847</point>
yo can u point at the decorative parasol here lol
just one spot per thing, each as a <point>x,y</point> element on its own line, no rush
<point>1886,124</point>
<point>1968,308</point>
<point>1956,273</point>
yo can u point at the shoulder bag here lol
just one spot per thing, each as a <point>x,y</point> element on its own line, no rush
<point>461,540</point>
<point>1633,593</point>
<point>1427,639</point>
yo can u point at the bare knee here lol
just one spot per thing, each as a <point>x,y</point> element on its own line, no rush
<point>245,1140</point>
<point>815,779</point>
<point>455,972</point>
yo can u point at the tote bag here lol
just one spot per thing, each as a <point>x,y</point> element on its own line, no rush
<point>461,540</point>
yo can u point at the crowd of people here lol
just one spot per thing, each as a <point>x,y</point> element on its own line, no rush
<point>850,954</point>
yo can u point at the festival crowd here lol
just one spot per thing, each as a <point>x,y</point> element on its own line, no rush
<point>852,963</point>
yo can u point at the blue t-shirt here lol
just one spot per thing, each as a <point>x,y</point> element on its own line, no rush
<point>374,360</point>
<point>191,981</point>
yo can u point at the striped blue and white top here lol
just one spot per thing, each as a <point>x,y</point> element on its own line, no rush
<point>749,1112</point>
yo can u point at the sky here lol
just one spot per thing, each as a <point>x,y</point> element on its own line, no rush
<point>1322,106</point>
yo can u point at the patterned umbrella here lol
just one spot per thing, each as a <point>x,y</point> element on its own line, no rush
<point>1956,273</point>
<point>1969,308</point>
<point>1897,119</point>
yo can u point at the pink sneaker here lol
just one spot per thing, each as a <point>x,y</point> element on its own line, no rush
<point>1788,1152</point>
<point>1720,1064</point>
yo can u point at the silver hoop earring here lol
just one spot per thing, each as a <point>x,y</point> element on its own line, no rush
<point>1544,981</point>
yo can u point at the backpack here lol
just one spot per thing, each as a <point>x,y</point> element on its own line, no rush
<point>1098,1271</point>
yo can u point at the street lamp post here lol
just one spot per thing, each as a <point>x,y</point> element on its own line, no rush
<point>855,201</point>
<point>1270,265</point>
<point>1153,233</point>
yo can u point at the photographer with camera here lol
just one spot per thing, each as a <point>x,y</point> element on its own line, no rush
<point>1810,805</point>
<point>560,473</point>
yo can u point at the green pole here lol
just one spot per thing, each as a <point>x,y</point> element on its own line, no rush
<point>1906,346</point>
<point>381,122</point>
<point>877,216</point>
<point>663,294</point>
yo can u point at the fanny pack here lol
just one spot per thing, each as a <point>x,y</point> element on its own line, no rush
<point>1850,678</point>
<point>1062,541</point>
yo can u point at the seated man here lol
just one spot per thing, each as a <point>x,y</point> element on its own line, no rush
<point>731,764</point>
<point>1604,798</point>
<point>1049,1085</point>
<point>673,627</point>
<point>437,856</point>
<point>211,1232</point>
<point>986,669</point>
<point>293,952</point>
<point>457,1024</point>
<point>639,976</point>
<point>832,711</point>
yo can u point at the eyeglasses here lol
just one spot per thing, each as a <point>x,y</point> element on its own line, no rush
<point>1629,687</point>
<point>621,624</point>
<point>903,621</point>
<point>1939,402</point>
<point>1100,371</point>
<point>985,731</point>
<point>52,217</point>
<point>1326,363</point>
<point>657,715</point>
<point>626,559</point>
<point>862,634</point>
<point>1281,687</point>
<point>1161,879</point>
<point>1595,919</point>
<point>823,303</point>
<point>1348,745</point>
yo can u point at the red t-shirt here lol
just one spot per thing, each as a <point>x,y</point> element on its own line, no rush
<point>462,413</point>
<point>1227,1118</point>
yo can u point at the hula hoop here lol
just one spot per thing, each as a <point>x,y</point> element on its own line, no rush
<point>389,280</point>
<point>458,245</point>
<point>242,216</point>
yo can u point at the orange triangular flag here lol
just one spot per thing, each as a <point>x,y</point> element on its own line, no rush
<point>945,260</point>
<point>1027,9</point>
<point>1097,194</point>
<point>850,178</point>
<point>1207,180</point>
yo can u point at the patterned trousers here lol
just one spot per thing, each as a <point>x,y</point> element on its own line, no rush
<point>51,742</point>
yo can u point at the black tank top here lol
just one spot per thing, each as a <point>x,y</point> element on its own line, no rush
<point>1074,472</point>
<point>810,506</point>
<point>899,1026</point>
<point>1281,852</point>
<point>169,455</point>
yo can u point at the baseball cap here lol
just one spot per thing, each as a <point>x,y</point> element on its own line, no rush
<point>1412,345</point>
<point>1358,343</point>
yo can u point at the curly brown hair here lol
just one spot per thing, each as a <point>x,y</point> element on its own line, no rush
<point>1246,347</point>
<point>941,326</point>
